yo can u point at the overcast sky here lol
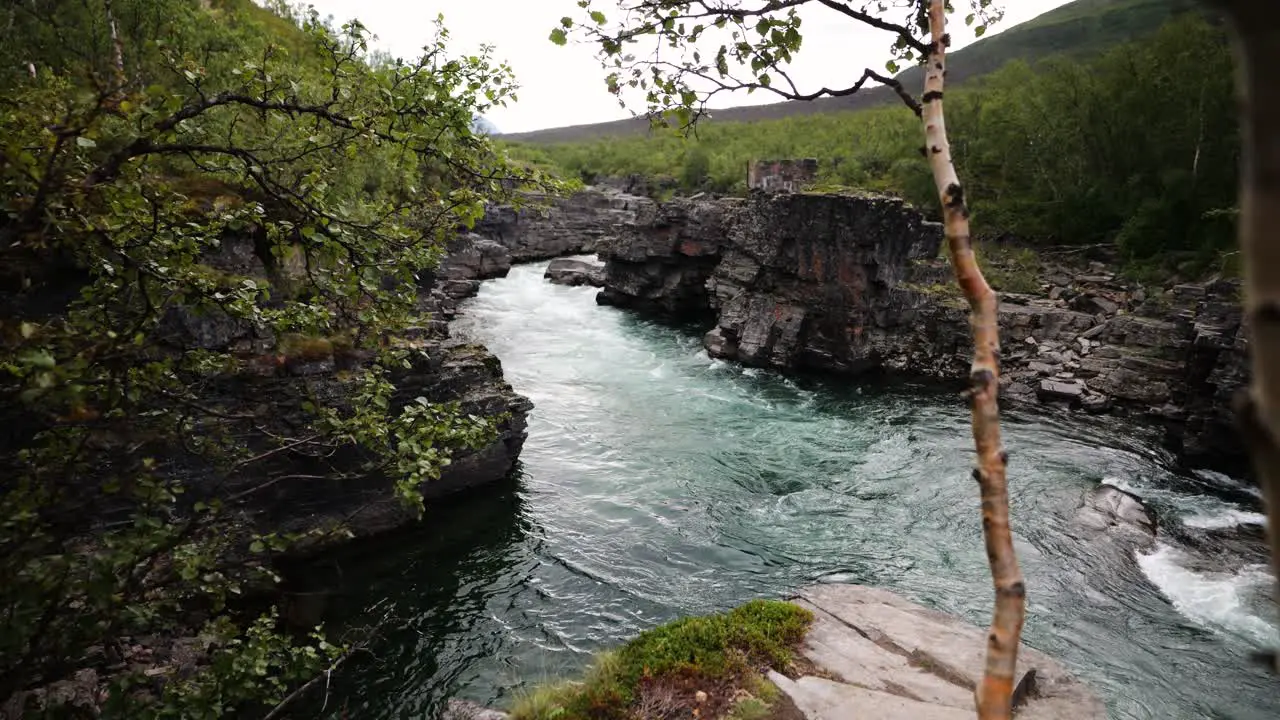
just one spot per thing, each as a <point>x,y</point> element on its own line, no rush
<point>565,86</point>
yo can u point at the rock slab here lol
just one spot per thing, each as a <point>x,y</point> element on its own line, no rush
<point>574,272</point>
<point>881,657</point>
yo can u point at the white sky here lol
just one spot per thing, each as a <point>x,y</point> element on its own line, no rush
<point>565,85</point>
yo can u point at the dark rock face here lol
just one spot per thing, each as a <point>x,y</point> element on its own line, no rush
<point>276,378</point>
<point>440,370</point>
<point>661,261</point>
<point>849,284</point>
<point>473,257</point>
<point>567,271</point>
<point>811,281</point>
<point>552,227</point>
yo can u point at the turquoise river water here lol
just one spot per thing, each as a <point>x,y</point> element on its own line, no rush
<point>657,482</point>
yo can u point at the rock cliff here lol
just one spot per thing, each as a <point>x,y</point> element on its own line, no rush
<point>547,227</point>
<point>661,260</point>
<point>852,283</point>
<point>264,387</point>
<point>814,281</point>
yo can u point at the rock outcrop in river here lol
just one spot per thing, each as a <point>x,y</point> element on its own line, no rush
<point>851,283</point>
<point>568,271</point>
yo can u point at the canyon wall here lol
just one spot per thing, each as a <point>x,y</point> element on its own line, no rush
<point>852,284</point>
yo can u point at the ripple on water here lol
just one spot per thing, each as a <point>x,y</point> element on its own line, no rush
<point>657,482</point>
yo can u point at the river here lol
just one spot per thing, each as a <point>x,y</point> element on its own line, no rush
<point>657,482</point>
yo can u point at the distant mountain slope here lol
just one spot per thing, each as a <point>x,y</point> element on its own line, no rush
<point>1084,27</point>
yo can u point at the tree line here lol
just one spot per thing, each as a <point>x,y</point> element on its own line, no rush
<point>1137,147</point>
<point>141,139</point>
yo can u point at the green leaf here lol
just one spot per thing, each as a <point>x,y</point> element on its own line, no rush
<point>39,358</point>
<point>980,31</point>
<point>566,21</point>
<point>598,17</point>
<point>85,142</point>
<point>558,37</point>
<point>257,546</point>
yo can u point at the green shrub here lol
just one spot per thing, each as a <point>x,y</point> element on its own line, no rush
<point>714,648</point>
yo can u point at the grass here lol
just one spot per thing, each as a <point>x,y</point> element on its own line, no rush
<point>1010,269</point>
<point>663,671</point>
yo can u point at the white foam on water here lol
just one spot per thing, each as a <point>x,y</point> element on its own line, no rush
<point>1225,480</point>
<point>1229,518</point>
<point>1197,511</point>
<point>1125,485</point>
<point>1220,601</point>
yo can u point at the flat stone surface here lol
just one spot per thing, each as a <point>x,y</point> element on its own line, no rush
<point>886,657</point>
<point>464,710</point>
<point>821,698</point>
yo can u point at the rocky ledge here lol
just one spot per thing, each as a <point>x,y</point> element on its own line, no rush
<point>852,283</point>
<point>569,271</point>
<point>548,226</point>
<point>856,653</point>
<point>276,377</point>
<point>878,656</point>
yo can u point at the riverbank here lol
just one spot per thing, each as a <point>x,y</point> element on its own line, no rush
<point>852,284</point>
<point>823,651</point>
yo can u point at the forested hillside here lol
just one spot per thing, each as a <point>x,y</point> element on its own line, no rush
<point>1080,29</point>
<point>1137,146</point>
<point>199,195</point>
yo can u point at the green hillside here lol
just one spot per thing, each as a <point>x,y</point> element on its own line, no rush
<point>1136,146</point>
<point>1081,28</point>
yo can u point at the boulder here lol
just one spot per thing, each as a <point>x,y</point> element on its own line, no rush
<point>567,271</point>
<point>1095,403</point>
<point>464,710</point>
<point>1095,304</point>
<point>472,257</point>
<point>1069,390</point>
<point>878,656</point>
<point>1109,512</point>
<point>812,280</point>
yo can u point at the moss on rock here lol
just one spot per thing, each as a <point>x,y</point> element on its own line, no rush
<point>712,664</point>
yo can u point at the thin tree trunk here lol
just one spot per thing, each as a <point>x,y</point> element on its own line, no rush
<point>993,695</point>
<point>1257,39</point>
<point>117,46</point>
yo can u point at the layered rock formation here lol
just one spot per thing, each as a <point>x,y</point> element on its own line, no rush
<point>276,377</point>
<point>813,281</point>
<point>662,260</point>
<point>851,283</point>
<point>547,227</point>
<point>878,656</point>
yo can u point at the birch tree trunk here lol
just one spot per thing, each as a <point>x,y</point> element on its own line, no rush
<point>117,47</point>
<point>1257,41</point>
<point>993,694</point>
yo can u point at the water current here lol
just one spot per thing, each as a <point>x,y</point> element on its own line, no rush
<point>657,482</point>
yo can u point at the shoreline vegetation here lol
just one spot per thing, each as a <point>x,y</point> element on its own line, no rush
<point>709,666</point>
